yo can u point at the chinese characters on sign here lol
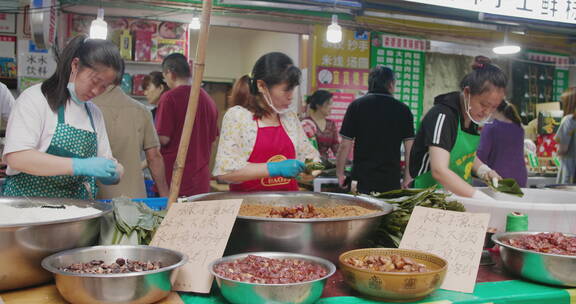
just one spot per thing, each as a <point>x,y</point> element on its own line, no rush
<point>548,10</point>
<point>405,56</point>
<point>341,65</point>
<point>336,78</point>
<point>8,23</point>
<point>340,103</point>
<point>458,237</point>
<point>34,65</point>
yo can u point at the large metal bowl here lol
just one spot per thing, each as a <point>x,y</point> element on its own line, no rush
<point>565,187</point>
<point>322,237</point>
<point>545,268</point>
<point>237,292</point>
<point>23,246</point>
<point>134,288</point>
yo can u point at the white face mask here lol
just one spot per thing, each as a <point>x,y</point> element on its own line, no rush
<point>488,119</point>
<point>269,102</point>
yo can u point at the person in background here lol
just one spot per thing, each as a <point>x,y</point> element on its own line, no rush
<point>154,86</point>
<point>376,125</point>
<point>318,127</point>
<point>131,132</point>
<point>56,140</point>
<point>445,146</point>
<point>6,104</point>
<point>170,119</point>
<point>502,144</point>
<point>263,146</point>
<point>566,139</point>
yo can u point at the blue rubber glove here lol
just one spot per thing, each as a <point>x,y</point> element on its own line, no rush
<point>287,168</point>
<point>112,180</point>
<point>98,167</point>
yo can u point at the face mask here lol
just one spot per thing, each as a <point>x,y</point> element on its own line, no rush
<point>269,102</point>
<point>488,119</point>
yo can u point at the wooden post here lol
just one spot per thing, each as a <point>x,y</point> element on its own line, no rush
<point>198,73</point>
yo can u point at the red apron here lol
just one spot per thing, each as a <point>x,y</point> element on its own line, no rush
<point>272,145</point>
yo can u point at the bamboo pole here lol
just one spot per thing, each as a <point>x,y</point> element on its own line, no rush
<point>198,73</point>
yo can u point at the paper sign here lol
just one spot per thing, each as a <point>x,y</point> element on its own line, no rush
<point>201,231</point>
<point>458,237</point>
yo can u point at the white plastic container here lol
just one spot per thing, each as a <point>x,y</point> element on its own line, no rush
<point>547,210</point>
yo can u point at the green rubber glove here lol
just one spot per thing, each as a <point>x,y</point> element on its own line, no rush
<point>98,167</point>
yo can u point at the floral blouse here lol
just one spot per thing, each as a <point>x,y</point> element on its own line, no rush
<point>238,136</point>
<point>328,140</point>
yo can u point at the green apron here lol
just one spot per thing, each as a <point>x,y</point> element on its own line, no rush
<point>66,142</point>
<point>461,160</point>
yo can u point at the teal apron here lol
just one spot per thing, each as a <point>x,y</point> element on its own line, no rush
<point>461,160</point>
<point>66,142</point>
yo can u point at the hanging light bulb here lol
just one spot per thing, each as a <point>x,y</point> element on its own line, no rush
<point>195,23</point>
<point>334,31</point>
<point>506,48</point>
<point>99,27</point>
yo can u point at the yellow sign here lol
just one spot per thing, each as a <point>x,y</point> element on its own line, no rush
<point>353,52</point>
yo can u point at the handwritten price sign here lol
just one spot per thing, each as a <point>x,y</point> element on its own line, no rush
<point>201,231</point>
<point>458,237</point>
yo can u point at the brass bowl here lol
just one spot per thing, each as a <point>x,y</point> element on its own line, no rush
<point>394,286</point>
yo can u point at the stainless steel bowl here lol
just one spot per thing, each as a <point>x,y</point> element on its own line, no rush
<point>134,288</point>
<point>23,246</point>
<point>322,237</point>
<point>251,293</point>
<point>566,187</point>
<point>545,268</point>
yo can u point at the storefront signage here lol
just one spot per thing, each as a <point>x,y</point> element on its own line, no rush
<point>406,57</point>
<point>547,10</point>
<point>34,65</point>
<point>340,78</point>
<point>340,103</point>
<point>8,23</point>
<point>341,65</point>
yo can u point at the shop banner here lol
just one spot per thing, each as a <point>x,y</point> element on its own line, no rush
<point>340,103</point>
<point>548,10</point>
<point>34,65</point>
<point>408,64</point>
<point>348,57</point>
<point>341,78</point>
<point>138,39</point>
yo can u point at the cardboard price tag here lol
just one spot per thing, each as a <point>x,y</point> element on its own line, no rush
<point>201,231</point>
<point>458,237</point>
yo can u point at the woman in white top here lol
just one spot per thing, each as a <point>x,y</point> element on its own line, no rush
<point>262,144</point>
<point>56,141</point>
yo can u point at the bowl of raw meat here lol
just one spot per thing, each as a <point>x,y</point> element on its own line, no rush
<point>545,257</point>
<point>271,277</point>
<point>135,274</point>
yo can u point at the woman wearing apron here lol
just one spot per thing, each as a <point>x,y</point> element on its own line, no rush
<point>262,144</point>
<point>444,151</point>
<point>56,141</point>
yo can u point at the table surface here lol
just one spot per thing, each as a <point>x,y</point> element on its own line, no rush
<point>335,287</point>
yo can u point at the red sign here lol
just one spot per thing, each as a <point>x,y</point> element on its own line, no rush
<point>342,78</point>
<point>340,102</point>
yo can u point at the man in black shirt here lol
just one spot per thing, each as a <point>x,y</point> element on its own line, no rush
<point>376,125</point>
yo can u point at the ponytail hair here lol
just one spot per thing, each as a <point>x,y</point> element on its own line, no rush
<point>318,99</point>
<point>273,69</point>
<point>485,76</point>
<point>509,111</point>
<point>91,53</point>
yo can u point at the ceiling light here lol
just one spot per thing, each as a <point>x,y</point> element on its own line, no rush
<point>195,23</point>
<point>334,31</point>
<point>99,27</point>
<point>506,48</point>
